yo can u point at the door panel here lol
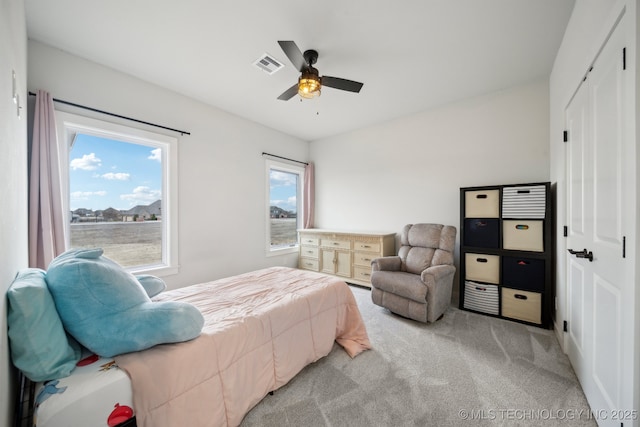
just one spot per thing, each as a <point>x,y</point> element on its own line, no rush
<point>576,127</point>
<point>605,83</point>
<point>607,353</point>
<point>576,309</point>
<point>343,264</point>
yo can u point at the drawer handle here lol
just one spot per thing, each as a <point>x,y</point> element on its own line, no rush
<point>522,227</point>
<point>524,191</point>
<point>481,223</point>
<point>478,288</point>
<point>336,243</point>
<point>366,274</point>
<point>482,260</point>
<point>523,262</point>
<point>366,246</point>
<point>519,296</point>
<point>309,252</point>
<point>481,196</point>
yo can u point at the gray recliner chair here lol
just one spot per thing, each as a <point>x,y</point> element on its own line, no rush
<point>417,283</point>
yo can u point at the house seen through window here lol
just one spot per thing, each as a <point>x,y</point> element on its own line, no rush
<point>284,201</point>
<point>117,195</point>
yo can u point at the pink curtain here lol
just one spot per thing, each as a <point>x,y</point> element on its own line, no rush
<point>308,196</point>
<point>46,216</point>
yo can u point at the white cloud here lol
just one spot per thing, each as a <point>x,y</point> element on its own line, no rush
<point>88,162</point>
<point>85,195</point>
<point>142,196</point>
<point>279,179</point>
<point>156,155</point>
<point>119,176</point>
<point>289,204</point>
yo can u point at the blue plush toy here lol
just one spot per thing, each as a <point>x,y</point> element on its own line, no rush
<point>107,309</point>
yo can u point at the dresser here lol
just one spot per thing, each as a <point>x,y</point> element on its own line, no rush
<point>343,254</point>
<point>506,251</point>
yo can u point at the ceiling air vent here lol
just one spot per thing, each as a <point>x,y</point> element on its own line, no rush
<point>268,64</point>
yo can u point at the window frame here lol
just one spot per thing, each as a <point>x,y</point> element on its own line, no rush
<point>68,125</point>
<point>289,168</point>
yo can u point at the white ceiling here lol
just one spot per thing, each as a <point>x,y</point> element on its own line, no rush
<point>411,55</point>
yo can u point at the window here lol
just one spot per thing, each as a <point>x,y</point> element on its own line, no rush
<point>284,206</point>
<point>120,185</point>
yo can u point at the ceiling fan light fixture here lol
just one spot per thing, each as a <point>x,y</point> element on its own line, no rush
<point>309,84</point>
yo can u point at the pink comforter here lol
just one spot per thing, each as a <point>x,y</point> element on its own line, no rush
<point>261,329</point>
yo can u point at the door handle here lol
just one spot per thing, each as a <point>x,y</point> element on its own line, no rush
<point>582,254</point>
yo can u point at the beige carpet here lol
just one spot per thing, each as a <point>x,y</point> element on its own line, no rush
<point>466,369</point>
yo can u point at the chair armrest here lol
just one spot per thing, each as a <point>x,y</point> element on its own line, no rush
<point>388,263</point>
<point>437,273</point>
<point>439,282</point>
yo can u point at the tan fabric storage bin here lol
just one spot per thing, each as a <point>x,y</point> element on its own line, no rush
<point>482,267</point>
<point>482,204</point>
<point>522,305</point>
<point>523,235</point>
<point>481,297</point>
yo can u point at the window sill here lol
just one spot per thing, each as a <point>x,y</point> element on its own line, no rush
<point>156,270</point>
<point>283,251</point>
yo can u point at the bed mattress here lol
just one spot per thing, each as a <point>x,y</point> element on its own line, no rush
<point>261,328</point>
<point>97,393</point>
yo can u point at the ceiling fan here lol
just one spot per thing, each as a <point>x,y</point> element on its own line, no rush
<point>310,82</point>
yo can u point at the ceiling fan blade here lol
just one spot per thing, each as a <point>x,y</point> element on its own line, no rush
<point>293,53</point>
<point>289,93</point>
<point>342,84</point>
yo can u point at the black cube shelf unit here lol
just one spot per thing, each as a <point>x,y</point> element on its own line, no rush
<point>506,251</point>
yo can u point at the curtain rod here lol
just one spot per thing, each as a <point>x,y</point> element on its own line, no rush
<point>182,132</point>
<point>284,158</point>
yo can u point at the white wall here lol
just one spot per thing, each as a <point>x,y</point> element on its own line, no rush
<point>13,179</point>
<point>221,175</point>
<point>410,170</point>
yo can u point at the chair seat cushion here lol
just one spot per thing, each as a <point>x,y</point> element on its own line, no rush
<point>400,283</point>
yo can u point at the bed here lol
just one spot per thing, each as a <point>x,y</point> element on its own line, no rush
<point>261,328</point>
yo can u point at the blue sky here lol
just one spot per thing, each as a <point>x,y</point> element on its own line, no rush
<point>106,173</point>
<point>283,187</point>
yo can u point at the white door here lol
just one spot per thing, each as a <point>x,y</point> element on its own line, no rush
<point>599,280</point>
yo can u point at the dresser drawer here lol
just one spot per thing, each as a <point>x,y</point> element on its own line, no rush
<point>364,259</point>
<point>482,204</point>
<point>362,273</point>
<point>309,241</point>
<point>366,247</point>
<point>309,264</point>
<point>482,268</point>
<point>336,244</point>
<point>522,305</point>
<point>522,235</point>
<point>309,251</point>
